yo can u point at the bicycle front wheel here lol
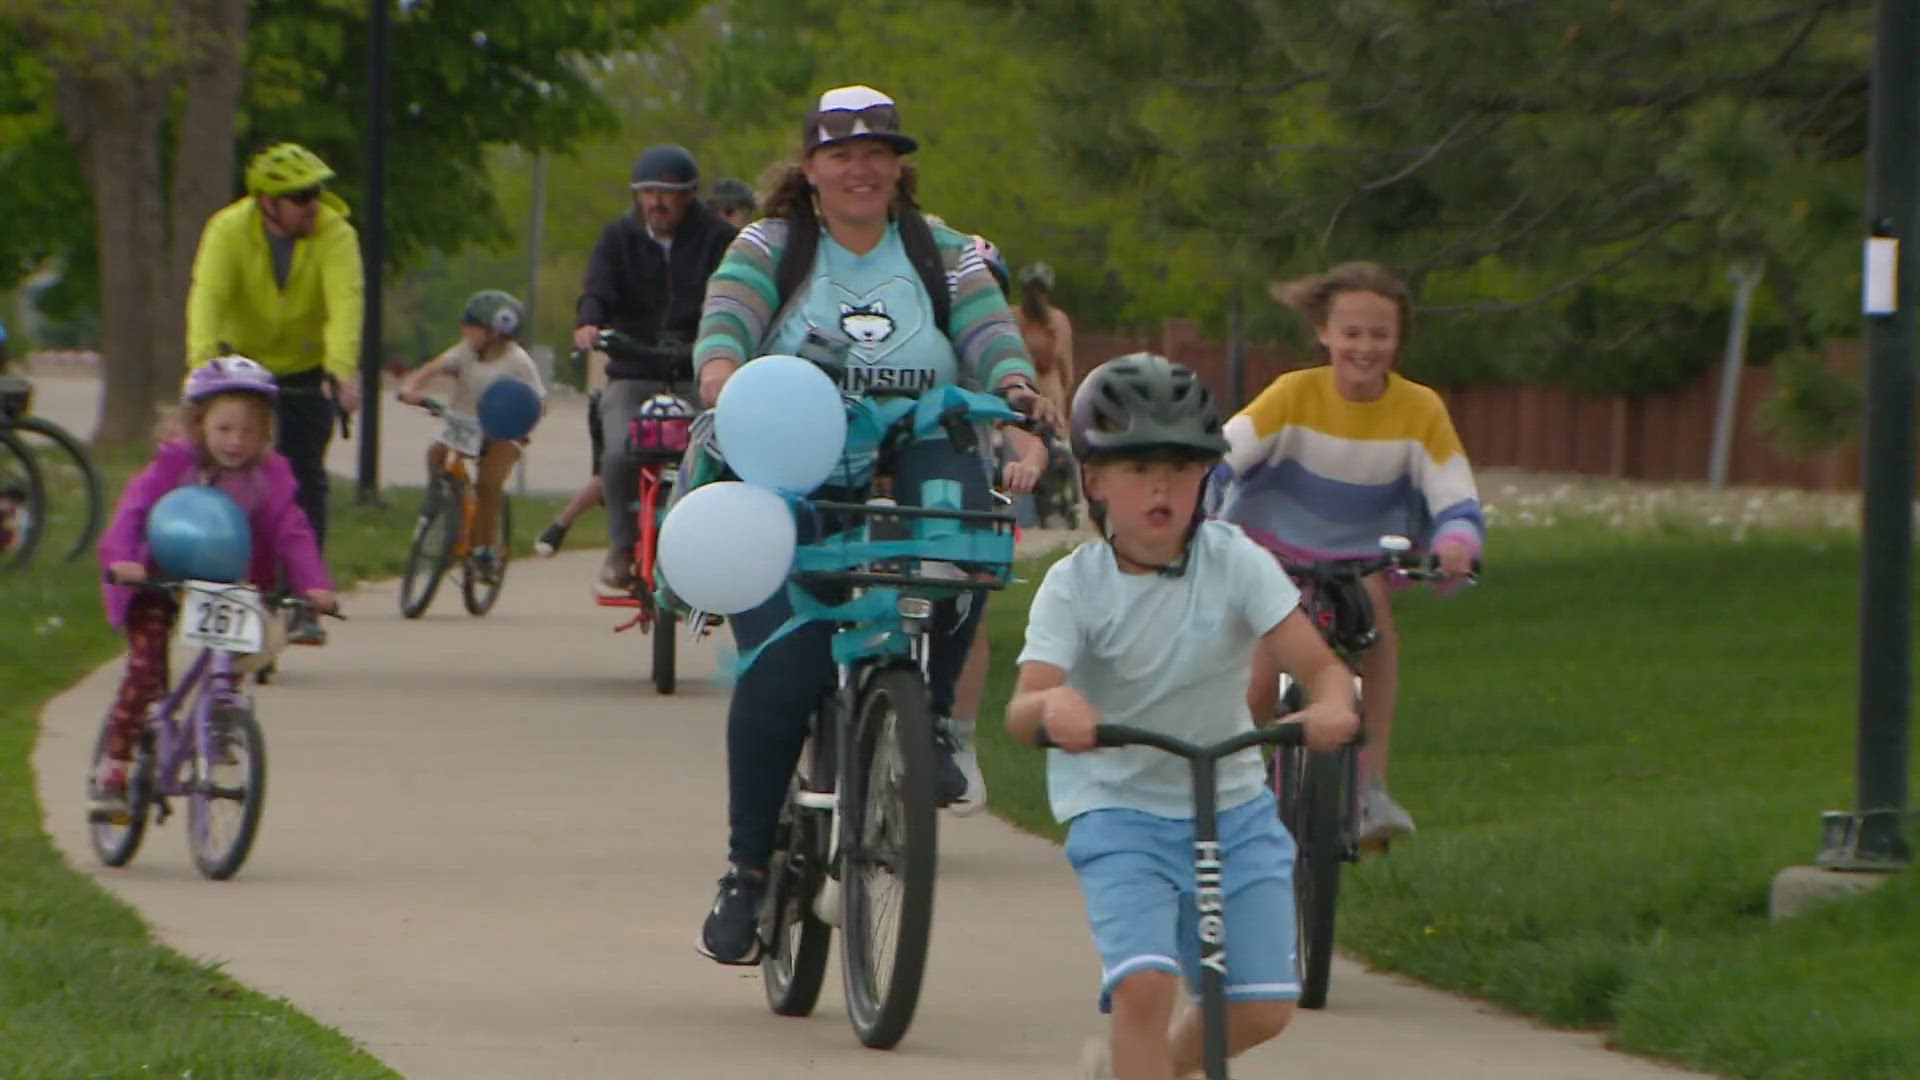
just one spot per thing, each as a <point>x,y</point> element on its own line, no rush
<point>23,502</point>
<point>228,791</point>
<point>887,857</point>
<point>1312,793</point>
<point>115,840</point>
<point>427,559</point>
<point>76,504</point>
<point>480,593</point>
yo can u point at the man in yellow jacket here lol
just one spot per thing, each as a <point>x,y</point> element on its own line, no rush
<point>278,278</point>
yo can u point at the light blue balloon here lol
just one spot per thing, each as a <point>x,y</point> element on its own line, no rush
<point>200,532</point>
<point>727,546</point>
<point>781,424</point>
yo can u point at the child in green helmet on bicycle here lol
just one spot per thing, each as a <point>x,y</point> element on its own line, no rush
<point>487,351</point>
<point>1155,625</point>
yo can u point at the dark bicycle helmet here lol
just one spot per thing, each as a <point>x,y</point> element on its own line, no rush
<point>1144,404</point>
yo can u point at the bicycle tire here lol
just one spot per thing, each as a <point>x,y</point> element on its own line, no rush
<point>427,557</point>
<point>793,967</point>
<point>93,496</point>
<point>880,1011</point>
<point>217,859</point>
<point>665,625</point>
<point>116,843</point>
<point>478,595</point>
<point>1312,811</point>
<point>21,480</point>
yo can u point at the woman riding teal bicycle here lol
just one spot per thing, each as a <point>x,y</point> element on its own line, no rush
<point>844,256</point>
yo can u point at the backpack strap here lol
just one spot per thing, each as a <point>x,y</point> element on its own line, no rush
<point>803,243</point>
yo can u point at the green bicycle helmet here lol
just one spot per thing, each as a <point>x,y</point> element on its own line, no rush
<point>284,168</point>
<point>1142,404</point>
<point>494,310</point>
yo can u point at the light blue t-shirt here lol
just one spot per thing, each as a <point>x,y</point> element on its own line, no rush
<point>1169,654</point>
<point>875,301</point>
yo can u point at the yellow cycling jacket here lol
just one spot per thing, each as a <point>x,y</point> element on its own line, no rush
<point>234,299</point>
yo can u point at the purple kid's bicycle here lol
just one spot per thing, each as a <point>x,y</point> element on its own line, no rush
<point>202,742</point>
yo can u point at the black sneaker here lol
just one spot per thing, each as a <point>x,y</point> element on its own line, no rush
<point>731,934</point>
<point>550,540</point>
<point>950,781</point>
<point>306,630</point>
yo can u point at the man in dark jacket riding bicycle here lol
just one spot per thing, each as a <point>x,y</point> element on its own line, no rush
<point>646,278</point>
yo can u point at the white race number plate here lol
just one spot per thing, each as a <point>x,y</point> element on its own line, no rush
<point>464,435</point>
<point>228,617</point>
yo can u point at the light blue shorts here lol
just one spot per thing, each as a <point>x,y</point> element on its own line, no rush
<point>1136,870</point>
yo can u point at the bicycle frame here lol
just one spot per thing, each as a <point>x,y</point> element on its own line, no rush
<point>455,467</point>
<point>181,732</point>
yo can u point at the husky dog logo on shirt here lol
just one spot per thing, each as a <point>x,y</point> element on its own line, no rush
<point>868,324</point>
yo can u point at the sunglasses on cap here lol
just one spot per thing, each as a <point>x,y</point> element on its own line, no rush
<point>834,124</point>
<point>303,197</point>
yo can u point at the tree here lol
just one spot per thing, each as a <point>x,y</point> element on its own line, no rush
<point>1564,180</point>
<point>151,95</point>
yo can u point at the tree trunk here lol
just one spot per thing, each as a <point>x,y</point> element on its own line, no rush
<point>203,165</point>
<point>114,120</point>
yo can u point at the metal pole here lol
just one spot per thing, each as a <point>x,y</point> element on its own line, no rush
<point>1886,550</point>
<point>1745,276</point>
<point>535,229</point>
<point>374,250</point>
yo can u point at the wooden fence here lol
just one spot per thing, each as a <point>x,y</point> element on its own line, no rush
<point>1551,429</point>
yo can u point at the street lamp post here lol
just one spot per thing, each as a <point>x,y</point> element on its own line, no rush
<point>1872,837</point>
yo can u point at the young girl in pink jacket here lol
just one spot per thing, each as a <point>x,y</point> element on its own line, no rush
<point>222,436</point>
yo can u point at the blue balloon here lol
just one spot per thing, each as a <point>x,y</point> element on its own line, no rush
<point>509,409</point>
<point>199,532</point>
<point>781,424</point>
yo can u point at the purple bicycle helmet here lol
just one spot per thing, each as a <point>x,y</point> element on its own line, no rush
<point>228,375</point>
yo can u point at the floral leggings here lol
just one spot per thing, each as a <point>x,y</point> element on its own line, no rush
<point>149,622</point>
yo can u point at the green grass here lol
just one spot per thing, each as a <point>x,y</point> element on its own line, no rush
<point>1611,746</point>
<point>85,991</point>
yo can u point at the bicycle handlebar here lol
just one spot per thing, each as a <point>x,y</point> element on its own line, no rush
<point>1426,569</point>
<point>1115,735</point>
<point>281,598</point>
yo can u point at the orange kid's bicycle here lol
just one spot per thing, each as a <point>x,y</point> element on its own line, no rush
<point>443,535</point>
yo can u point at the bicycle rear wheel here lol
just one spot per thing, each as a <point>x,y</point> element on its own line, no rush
<point>23,502</point>
<point>887,857</point>
<point>75,503</point>
<point>432,548</point>
<point>1313,791</point>
<point>228,791</point>
<point>480,594</point>
<point>115,842</point>
<point>794,963</point>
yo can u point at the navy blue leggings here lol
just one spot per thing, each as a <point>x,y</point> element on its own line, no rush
<point>774,700</point>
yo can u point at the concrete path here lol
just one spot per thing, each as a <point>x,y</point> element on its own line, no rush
<point>488,846</point>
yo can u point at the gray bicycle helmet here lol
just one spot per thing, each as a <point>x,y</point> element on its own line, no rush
<point>495,310</point>
<point>1145,404</point>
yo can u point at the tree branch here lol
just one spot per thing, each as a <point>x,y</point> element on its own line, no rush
<point>1571,283</point>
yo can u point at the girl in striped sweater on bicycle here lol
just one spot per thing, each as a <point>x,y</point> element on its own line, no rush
<point>1330,458</point>
<point>222,436</point>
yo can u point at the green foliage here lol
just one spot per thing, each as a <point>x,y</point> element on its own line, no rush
<point>1812,409</point>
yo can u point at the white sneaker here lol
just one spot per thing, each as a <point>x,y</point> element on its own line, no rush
<point>1381,818</point>
<point>975,799</point>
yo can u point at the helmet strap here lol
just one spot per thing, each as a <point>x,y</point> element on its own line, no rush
<point>1174,569</point>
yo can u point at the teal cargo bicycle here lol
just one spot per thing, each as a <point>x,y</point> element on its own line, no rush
<point>857,839</point>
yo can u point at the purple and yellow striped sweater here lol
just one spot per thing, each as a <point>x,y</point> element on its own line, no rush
<point>1315,476</point>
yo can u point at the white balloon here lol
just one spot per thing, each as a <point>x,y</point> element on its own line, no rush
<point>727,546</point>
<point>781,424</point>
